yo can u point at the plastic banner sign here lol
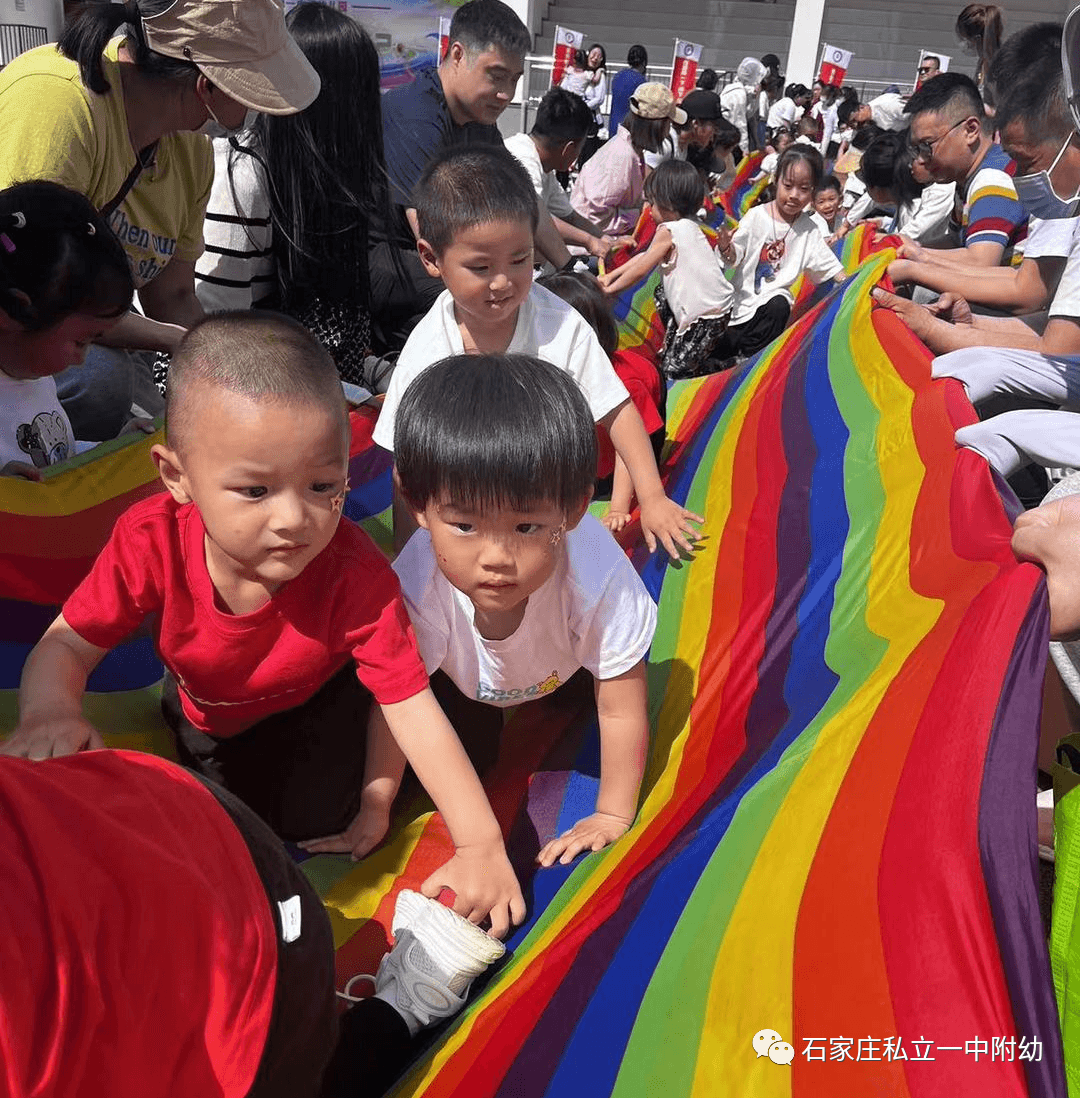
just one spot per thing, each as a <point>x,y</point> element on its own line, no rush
<point>684,68</point>
<point>834,65</point>
<point>444,37</point>
<point>567,43</point>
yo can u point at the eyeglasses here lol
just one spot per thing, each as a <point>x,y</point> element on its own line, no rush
<point>924,69</point>
<point>924,150</point>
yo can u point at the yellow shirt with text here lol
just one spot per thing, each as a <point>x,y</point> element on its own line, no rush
<point>55,128</point>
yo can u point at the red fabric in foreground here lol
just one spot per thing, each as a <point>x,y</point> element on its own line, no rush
<point>126,939</point>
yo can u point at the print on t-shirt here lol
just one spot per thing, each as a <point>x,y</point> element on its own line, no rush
<point>488,693</point>
<point>772,254</point>
<point>45,439</point>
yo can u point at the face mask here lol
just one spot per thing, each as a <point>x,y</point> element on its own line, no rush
<point>1040,199</point>
<point>213,128</point>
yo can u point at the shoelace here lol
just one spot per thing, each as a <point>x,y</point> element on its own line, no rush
<point>346,994</point>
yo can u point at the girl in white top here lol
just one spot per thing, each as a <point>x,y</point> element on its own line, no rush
<point>694,298</point>
<point>773,245</point>
<point>64,282</point>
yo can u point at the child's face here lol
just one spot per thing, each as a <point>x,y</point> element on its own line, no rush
<point>488,271</point>
<point>794,190</point>
<point>268,480</point>
<point>496,558</point>
<point>25,355</point>
<point>826,203</point>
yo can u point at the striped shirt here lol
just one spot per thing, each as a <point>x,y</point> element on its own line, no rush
<point>236,271</point>
<point>987,209</point>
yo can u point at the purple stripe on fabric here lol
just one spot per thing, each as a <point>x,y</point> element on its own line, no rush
<point>1007,846</point>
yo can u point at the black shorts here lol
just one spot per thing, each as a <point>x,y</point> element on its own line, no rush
<point>300,770</point>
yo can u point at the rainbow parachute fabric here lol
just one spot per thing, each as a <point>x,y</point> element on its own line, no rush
<point>836,840</point>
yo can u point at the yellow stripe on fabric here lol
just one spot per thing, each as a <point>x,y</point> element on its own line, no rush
<point>767,909</point>
<point>694,629</point>
<point>85,485</point>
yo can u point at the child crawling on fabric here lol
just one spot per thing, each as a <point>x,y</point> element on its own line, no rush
<point>511,585</point>
<point>277,622</point>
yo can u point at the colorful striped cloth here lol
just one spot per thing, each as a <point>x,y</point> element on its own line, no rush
<point>836,841</point>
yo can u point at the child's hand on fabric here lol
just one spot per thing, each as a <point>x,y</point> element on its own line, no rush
<point>21,469</point>
<point>368,829</point>
<point>592,833</point>
<point>723,239</point>
<point>606,280</point>
<point>484,886</point>
<point>48,739</point>
<point>615,520</point>
<point>901,270</point>
<point>910,250</point>
<point>663,518</point>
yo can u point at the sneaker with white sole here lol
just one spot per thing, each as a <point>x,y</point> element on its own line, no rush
<point>436,956</point>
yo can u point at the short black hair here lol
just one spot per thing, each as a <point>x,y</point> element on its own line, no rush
<point>490,24</point>
<point>1029,85</point>
<point>469,185</point>
<point>561,117</point>
<point>637,57</point>
<point>676,185</point>
<point>845,109</point>
<point>931,57</point>
<point>59,252</point>
<point>876,169</point>
<point>864,135</point>
<point>771,61</point>
<point>951,92</point>
<point>829,183</point>
<point>582,291</point>
<point>727,135</point>
<point>494,431</point>
<point>707,79</point>
<point>805,154</point>
<point>261,356</point>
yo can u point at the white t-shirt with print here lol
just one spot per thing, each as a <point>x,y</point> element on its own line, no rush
<point>547,328</point>
<point>593,612</point>
<point>547,187</point>
<point>804,250</point>
<point>34,428</point>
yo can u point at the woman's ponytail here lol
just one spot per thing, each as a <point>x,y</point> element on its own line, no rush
<point>87,34</point>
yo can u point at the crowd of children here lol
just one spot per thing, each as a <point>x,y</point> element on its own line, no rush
<point>303,670</point>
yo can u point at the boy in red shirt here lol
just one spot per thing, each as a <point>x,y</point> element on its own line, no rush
<point>277,623</point>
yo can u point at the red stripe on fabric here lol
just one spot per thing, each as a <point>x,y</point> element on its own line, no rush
<point>930,858</point>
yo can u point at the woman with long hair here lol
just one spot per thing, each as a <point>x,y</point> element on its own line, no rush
<point>595,95</point>
<point>981,28</point>
<point>288,223</point>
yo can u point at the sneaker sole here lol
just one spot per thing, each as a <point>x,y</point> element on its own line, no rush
<point>445,935</point>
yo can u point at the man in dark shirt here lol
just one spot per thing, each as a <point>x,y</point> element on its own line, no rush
<point>457,103</point>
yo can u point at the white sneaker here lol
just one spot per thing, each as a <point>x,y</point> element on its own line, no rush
<point>436,956</point>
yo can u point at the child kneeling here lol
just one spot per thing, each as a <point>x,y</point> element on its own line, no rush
<point>510,584</point>
<point>694,298</point>
<point>277,622</point>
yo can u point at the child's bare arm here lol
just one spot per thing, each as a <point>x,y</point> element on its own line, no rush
<point>624,740</point>
<point>660,517</point>
<point>622,497</point>
<point>637,268</point>
<point>50,696</point>
<point>479,873</point>
<point>384,765</point>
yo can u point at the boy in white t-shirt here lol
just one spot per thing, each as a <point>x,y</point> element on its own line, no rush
<point>477,211</point>
<point>511,586</point>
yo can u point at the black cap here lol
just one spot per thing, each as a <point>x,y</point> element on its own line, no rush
<point>702,104</point>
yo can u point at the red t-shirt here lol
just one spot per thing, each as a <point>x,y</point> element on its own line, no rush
<point>139,952</point>
<point>638,372</point>
<point>235,669</point>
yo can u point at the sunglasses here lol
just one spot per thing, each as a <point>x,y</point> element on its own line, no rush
<point>924,150</point>
<point>924,69</point>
